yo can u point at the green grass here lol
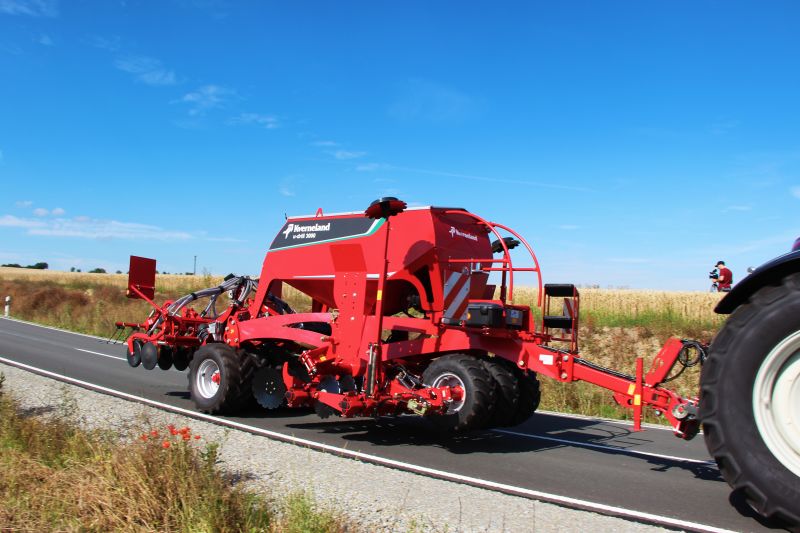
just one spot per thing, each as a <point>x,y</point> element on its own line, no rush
<point>55,476</point>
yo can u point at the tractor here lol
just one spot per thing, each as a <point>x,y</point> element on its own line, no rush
<point>412,311</point>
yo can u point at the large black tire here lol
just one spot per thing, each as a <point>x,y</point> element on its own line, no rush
<point>750,401</point>
<point>222,394</point>
<point>529,396</point>
<point>474,411</point>
<point>507,393</point>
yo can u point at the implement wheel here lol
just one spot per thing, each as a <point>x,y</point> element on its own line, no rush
<point>507,393</point>
<point>529,396</point>
<point>215,379</point>
<point>474,409</point>
<point>750,401</point>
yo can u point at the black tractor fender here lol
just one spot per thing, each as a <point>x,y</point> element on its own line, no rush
<point>770,273</point>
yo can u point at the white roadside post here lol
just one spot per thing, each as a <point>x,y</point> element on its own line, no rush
<point>8,306</point>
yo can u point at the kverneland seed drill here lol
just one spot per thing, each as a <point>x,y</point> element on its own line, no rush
<point>411,311</point>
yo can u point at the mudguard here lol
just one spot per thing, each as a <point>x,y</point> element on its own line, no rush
<point>770,273</point>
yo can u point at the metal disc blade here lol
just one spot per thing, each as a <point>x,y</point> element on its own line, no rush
<point>327,384</point>
<point>149,355</point>
<point>268,387</point>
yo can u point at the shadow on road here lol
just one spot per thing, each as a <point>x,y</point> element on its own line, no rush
<point>570,432</point>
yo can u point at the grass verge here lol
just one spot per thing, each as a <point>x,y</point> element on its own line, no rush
<point>56,476</point>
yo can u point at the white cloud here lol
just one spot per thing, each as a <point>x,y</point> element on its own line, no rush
<point>147,70</point>
<point>324,143</point>
<point>431,101</point>
<point>91,228</point>
<point>738,208</point>
<point>31,8</point>
<point>347,154</point>
<point>41,212</point>
<point>267,121</point>
<point>286,188</point>
<point>112,44</point>
<point>10,221</point>
<point>1,155</point>
<point>490,179</point>
<point>57,212</point>
<point>568,227</point>
<point>205,98</point>
<point>45,40</point>
<point>23,203</point>
<point>795,191</point>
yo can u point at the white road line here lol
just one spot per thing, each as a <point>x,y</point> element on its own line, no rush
<point>98,353</point>
<point>606,447</point>
<point>626,423</point>
<point>344,452</point>
<point>55,329</point>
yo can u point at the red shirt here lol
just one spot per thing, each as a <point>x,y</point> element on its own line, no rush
<point>725,278</point>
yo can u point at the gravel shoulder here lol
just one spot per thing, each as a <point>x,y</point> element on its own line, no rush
<point>371,497</point>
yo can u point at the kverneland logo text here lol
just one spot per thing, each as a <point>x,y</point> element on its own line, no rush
<point>296,228</point>
<point>454,232</point>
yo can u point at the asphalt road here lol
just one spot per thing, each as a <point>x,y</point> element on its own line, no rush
<point>649,476</point>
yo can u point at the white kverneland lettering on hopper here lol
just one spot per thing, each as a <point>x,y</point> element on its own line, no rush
<point>470,236</point>
<point>308,230</point>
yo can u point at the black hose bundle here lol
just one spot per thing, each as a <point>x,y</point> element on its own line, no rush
<point>685,358</point>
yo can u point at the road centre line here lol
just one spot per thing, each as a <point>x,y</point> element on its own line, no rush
<point>369,458</point>
<point>10,319</point>
<point>98,353</point>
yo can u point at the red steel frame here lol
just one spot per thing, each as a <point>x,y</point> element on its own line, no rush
<point>364,278</point>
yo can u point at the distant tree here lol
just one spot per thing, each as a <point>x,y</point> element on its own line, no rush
<point>78,270</point>
<point>39,266</point>
<point>98,271</point>
<point>12,265</point>
<point>119,271</point>
<point>72,269</point>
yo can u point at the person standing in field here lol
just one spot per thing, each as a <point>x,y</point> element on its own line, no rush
<point>725,279</point>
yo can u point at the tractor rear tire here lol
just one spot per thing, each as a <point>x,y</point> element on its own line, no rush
<point>750,393</point>
<point>215,379</point>
<point>475,409</point>
<point>507,393</point>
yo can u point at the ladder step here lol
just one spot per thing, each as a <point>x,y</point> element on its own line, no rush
<point>559,289</point>
<point>558,322</point>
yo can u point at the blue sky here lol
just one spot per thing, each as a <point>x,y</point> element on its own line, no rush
<point>633,143</point>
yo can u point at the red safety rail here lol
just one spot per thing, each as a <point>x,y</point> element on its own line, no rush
<point>507,269</point>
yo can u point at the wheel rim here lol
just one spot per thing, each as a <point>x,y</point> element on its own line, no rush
<point>776,402</point>
<point>451,380</point>
<point>208,378</point>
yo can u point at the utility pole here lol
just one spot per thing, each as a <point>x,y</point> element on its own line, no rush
<point>194,272</point>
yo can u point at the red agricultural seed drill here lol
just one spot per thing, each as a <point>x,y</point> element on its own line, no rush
<point>403,319</point>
